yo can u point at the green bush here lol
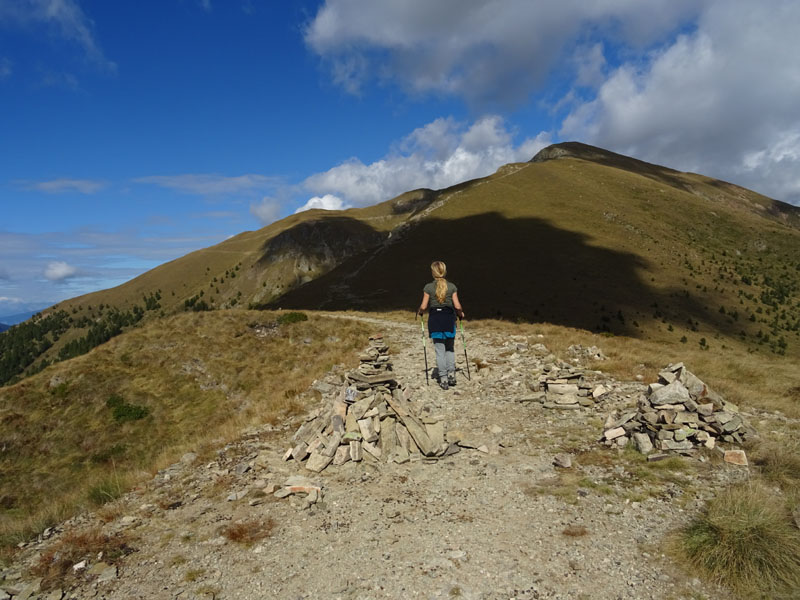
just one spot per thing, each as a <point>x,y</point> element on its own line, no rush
<point>129,412</point>
<point>122,411</point>
<point>292,317</point>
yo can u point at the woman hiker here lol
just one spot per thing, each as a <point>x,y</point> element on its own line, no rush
<point>440,297</point>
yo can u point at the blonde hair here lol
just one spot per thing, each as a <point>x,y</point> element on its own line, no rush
<point>439,270</point>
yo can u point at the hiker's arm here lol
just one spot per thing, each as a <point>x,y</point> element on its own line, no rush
<point>457,306</point>
<point>424,304</point>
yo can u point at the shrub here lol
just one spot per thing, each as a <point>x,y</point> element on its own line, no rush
<point>744,539</point>
<point>122,411</point>
<point>129,412</point>
<point>292,317</point>
<point>114,400</point>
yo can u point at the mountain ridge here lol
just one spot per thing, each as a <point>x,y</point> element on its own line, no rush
<point>578,236</point>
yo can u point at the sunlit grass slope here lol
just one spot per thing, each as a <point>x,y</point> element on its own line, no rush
<point>79,432</point>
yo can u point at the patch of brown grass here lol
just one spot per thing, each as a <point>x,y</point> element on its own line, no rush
<point>55,564</point>
<point>575,531</point>
<point>249,532</point>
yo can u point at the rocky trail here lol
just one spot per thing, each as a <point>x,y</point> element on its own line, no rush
<point>535,508</point>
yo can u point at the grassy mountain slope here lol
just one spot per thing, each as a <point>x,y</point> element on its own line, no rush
<point>82,430</point>
<point>593,240</point>
<point>579,236</point>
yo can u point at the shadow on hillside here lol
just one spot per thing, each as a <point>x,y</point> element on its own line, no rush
<point>325,239</point>
<point>515,269</point>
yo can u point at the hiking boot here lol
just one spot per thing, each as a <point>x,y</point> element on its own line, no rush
<point>451,379</point>
<point>443,384</point>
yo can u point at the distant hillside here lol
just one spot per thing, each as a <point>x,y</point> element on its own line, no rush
<point>579,236</point>
<point>3,327</point>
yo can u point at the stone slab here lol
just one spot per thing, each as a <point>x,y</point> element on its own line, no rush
<point>735,457</point>
<point>317,462</point>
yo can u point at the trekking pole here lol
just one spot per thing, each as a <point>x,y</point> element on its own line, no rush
<point>463,341</point>
<point>424,350</point>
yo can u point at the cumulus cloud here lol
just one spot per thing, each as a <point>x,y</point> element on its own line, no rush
<point>489,52</point>
<point>326,202</point>
<point>706,85</point>
<point>59,271</point>
<point>210,184</point>
<point>63,16</point>
<point>721,100</point>
<point>56,186</point>
<point>437,155</point>
<point>267,211</point>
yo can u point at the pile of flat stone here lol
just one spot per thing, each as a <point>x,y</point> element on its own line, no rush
<point>371,418</point>
<point>586,352</point>
<point>679,413</point>
<point>566,387</point>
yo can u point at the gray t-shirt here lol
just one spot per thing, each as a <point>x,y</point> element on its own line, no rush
<point>430,289</point>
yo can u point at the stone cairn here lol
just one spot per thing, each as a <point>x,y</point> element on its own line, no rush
<point>370,419</point>
<point>566,387</point>
<point>679,413</point>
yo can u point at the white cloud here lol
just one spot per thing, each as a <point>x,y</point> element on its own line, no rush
<point>210,184</point>
<point>721,100</point>
<point>56,186</point>
<point>440,154</point>
<point>10,300</point>
<point>489,52</point>
<point>65,16</point>
<point>267,211</point>
<point>59,270</point>
<point>326,202</point>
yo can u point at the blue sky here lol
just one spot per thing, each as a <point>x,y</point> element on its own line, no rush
<point>134,132</point>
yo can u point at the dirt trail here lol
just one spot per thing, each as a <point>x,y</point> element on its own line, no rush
<point>472,525</point>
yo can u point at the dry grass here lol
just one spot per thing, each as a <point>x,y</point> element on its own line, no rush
<point>747,379</point>
<point>203,378</point>
<point>575,531</point>
<point>55,564</point>
<point>779,463</point>
<point>745,541</point>
<point>249,532</point>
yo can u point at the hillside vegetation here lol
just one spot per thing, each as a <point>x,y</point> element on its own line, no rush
<point>83,430</point>
<point>579,237</point>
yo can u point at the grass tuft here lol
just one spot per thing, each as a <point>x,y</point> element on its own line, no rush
<point>249,532</point>
<point>745,540</point>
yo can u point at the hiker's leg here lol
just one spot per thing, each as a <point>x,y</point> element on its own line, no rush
<point>441,360</point>
<point>450,357</point>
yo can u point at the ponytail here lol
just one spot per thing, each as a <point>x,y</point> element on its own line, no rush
<point>439,270</point>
